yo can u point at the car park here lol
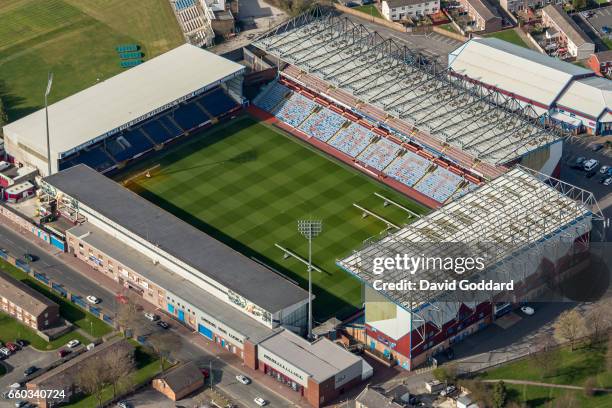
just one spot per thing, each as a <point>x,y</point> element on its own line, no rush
<point>527,310</point>
<point>260,401</point>
<point>243,379</point>
<point>591,164</point>
<point>93,300</point>
<point>73,343</point>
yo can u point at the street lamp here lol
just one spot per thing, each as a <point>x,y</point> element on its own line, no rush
<point>47,92</point>
<point>310,229</point>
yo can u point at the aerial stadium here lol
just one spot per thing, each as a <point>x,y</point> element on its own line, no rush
<point>354,129</point>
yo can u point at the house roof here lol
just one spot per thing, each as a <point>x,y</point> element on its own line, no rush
<point>23,296</point>
<point>566,24</point>
<point>604,56</point>
<point>400,3</point>
<point>592,96</point>
<point>484,9</point>
<point>182,376</point>
<point>370,398</point>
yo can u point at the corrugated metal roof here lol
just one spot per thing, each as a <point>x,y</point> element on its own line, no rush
<point>497,62</point>
<point>591,96</point>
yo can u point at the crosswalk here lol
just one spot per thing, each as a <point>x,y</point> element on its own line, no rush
<point>444,39</point>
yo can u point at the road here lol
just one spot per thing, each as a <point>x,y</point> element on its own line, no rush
<point>76,282</point>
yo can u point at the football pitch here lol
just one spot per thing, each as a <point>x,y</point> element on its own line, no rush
<point>247,184</point>
<point>76,40</point>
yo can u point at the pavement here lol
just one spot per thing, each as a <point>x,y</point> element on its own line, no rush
<point>17,362</point>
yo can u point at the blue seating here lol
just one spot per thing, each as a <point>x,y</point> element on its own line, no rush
<point>171,126</point>
<point>380,154</point>
<point>440,184</point>
<point>352,140</point>
<point>270,97</point>
<point>95,157</point>
<point>408,169</point>
<point>217,102</point>
<point>156,131</point>
<point>183,4</point>
<point>189,116</point>
<point>323,124</point>
<point>295,109</point>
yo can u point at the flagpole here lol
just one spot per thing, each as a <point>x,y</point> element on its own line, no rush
<point>47,92</point>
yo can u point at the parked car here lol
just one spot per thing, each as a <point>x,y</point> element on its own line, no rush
<point>578,163</point>
<point>591,164</point>
<point>30,257</point>
<point>205,372</point>
<point>260,401</point>
<point>597,146</point>
<point>93,300</point>
<point>20,404</point>
<point>63,353</point>
<point>448,390</point>
<point>5,351</point>
<point>30,370</point>
<point>151,316</point>
<point>73,343</point>
<point>243,379</point>
<point>124,404</point>
<point>12,346</point>
<point>591,173</point>
<point>604,169</point>
<point>606,30</point>
<point>607,181</point>
<point>22,343</point>
<point>527,310</point>
<point>163,324</point>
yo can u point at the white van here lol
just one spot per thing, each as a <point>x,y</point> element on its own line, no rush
<point>4,165</point>
<point>590,164</point>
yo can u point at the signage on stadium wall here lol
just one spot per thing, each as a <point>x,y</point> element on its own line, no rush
<point>249,307</point>
<point>150,114</point>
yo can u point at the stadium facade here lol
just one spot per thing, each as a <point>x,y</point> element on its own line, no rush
<point>133,113</point>
<point>473,131</point>
<point>234,301</point>
<point>564,94</point>
<point>532,228</point>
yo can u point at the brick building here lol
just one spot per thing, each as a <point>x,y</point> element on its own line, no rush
<point>601,63</point>
<point>180,381</point>
<point>26,304</point>
<point>578,44</point>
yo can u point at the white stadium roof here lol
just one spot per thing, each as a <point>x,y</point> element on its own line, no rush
<point>514,69</point>
<point>119,100</point>
<point>589,95</point>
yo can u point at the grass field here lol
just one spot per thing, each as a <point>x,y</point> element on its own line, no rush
<point>370,10</point>
<point>247,184</point>
<point>76,40</point>
<point>510,36</point>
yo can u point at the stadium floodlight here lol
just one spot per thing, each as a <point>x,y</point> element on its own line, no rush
<point>310,229</point>
<point>47,92</point>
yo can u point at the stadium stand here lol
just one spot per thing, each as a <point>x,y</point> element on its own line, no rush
<point>323,124</point>
<point>440,184</point>
<point>352,140</point>
<point>408,169</point>
<point>295,109</point>
<point>170,126</point>
<point>127,48</point>
<point>217,102</point>
<point>183,4</point>
<point>130,55</point>
<point>156,131</point>
<point>130,63</point>
<point>94,157</point>
<point>189,116</point>
<point>379,154</point>
<point>270,98</point>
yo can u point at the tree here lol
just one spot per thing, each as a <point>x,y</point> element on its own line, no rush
<point>569,326</point>
<point>579,4</point>
<point>119,364</point>
<point>129,317</point>
<point>164,343</point>
<point>93,377</point>
<point>446,373</point>
<point>480,392</point>
<point>598,320</point>
<point>609,354</point>
<point>567,400</point>
<point>3,116</point>
<point>500,395</point>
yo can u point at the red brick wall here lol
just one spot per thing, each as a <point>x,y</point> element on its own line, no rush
<point>250,355</point>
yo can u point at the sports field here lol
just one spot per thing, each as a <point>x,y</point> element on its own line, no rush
<point>76,40</point>
<point>247,184</point>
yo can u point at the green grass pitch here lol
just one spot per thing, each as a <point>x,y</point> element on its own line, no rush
<point>247,184</point>
<point>76,40</point>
